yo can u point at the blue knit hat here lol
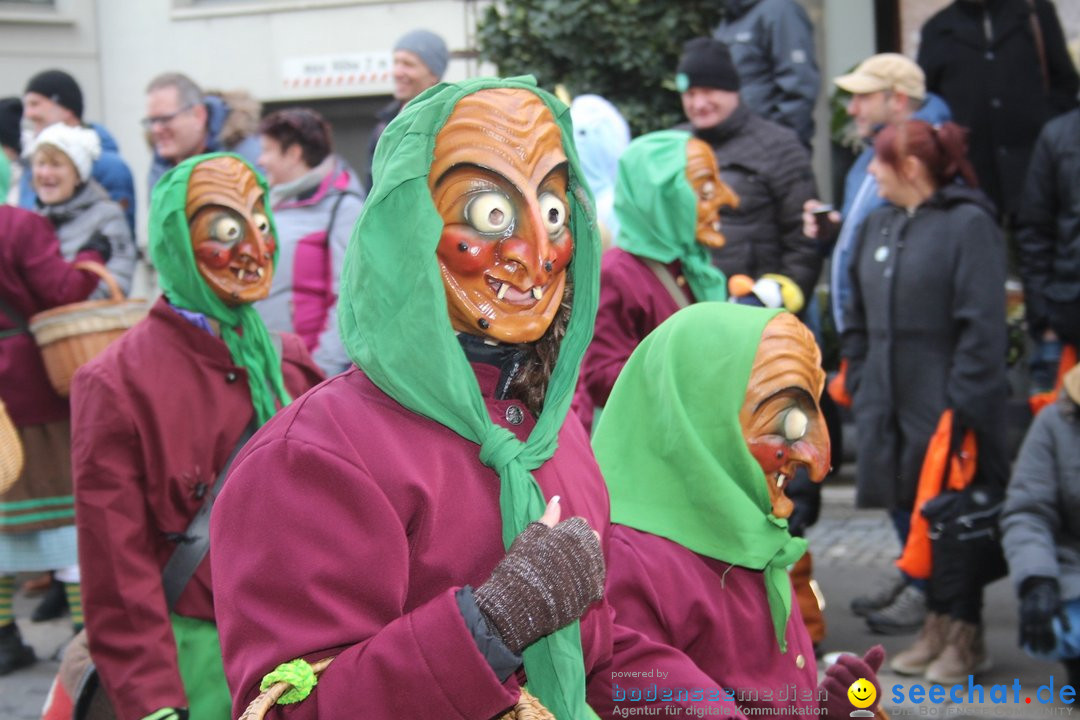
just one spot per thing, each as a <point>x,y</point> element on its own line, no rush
<point>429,47</point>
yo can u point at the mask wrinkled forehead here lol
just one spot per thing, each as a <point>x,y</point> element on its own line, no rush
<point>222,181</point>
<point>509,128</point>
<point>786,356</point>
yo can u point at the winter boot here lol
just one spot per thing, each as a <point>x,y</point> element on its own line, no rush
<point>13,653</point>
<point>53,605</point>
<point>904,615</point>
<point>885,595</point>
<point>927,647</point>
<point>964,654</point>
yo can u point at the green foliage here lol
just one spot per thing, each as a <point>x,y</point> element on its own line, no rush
<point>625,50</point>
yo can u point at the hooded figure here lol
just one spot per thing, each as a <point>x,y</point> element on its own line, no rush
<point>425,463</point>
<point>699,440</point>
<point>667,198</point>
<point>155,419</point>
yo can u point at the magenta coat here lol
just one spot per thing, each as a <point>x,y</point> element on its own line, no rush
<point>33,277</point>
<point>717,614</point>
<point>154,418</point>
<point>633,302</point>
<point>345,529</point>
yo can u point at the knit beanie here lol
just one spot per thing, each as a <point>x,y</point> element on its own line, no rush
<point>10,123</point>
<point>81,144</point>
<point>707,63</point>
<point>59,87</point>
<point>429,47</point>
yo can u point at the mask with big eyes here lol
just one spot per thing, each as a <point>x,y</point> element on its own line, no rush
<point>781,418</point>
<point>230,230</point>
<point>712,192</point>
<point>499,180</point>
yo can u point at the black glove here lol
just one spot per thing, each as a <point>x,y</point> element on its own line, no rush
<point>1040,603</point>
<point>99,244</point>
<point>547,579</point>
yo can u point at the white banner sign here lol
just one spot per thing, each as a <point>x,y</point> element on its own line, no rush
<point>363,73</point>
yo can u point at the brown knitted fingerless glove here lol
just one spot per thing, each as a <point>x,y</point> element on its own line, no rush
<point>547,579</point>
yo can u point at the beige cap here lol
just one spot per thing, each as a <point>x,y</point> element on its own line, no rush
<point>887,71</point>
<point>1072,384</point>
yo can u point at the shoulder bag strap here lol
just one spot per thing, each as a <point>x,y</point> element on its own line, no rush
<point>664,276</point>
<point>189,553</point>
<point>20,322</point>
<point>1040,45</point>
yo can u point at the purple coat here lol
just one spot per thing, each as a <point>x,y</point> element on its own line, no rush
<point>346,527</point>
<point>717,614</point>
<point>633,302</point>
<point>33,277</point>
<point>154,418</point>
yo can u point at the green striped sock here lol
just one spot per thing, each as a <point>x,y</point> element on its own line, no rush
<point>7,593</point>
<point>74,598</point>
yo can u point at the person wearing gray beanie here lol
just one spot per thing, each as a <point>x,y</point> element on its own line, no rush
<point>420,60</point>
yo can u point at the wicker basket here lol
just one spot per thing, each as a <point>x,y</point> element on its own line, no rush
<point>527,707</point>
<point>71,335</point>
<point>11,451</point>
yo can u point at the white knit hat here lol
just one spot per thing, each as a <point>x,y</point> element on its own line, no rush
<point>80,144</point>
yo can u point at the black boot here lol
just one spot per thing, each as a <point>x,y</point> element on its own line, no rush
<point>53,605</point>
<point>13,653</point>
<point>1072,671</point>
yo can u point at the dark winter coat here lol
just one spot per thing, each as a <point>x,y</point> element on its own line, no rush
<point>994,85</point>
<point>769,169</point>
<point>1048,230</point>
<point>925,331</point>
<point>772,45</point>
<point>382,118</point>
<point>1041,519</point>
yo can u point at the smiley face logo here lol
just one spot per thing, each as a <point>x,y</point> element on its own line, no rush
<point>862,693</point>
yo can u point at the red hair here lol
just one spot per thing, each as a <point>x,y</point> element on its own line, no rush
<point>941,148</point>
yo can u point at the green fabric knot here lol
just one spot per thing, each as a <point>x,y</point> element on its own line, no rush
<point>499,448</point>
<point>297,673</point>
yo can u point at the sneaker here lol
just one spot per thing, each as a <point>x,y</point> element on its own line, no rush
<point>905,615</point>
<point>14,654</point>
<point>53,605</point>
<point>886,594</point>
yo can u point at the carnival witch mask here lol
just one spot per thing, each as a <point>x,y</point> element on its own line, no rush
<point>230,231</point>
<point>712,192</point>
<point>499,180</point>
<point>781,419</point>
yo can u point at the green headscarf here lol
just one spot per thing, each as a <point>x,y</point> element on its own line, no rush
<point>657,210</point>
<point>395,325</point>
<point>673,453</point>
<point>174,258</point>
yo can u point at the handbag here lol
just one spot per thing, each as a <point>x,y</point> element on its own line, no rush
<point>11,451</point>
<point>965,541</point>
<point>90,700</point>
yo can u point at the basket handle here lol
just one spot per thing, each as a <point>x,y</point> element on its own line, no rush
<point>261,705</point>
<point>98,269</point>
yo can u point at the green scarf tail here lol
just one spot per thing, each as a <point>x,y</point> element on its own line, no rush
<point>174,258</point>
<point>395,326</point>
<point>673,453</point>
<point>657,210</point>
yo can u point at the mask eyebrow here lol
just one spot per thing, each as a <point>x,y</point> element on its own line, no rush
<point>564,166</point>
<point>469,166</point>
<point>801,394</point>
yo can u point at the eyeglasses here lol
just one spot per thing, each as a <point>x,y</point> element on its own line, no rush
<point>150,122</point>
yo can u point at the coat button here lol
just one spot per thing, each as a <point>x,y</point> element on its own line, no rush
<point>515,415</point>
<point>995,103</point>
<point>800,662</point>
<point>989,54</point>
<point>231,377</point>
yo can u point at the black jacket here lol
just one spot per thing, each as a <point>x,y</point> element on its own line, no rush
<point>925,331</point>
<point>769,169</point>
<point>994,86</point>
<point>1048,231</point>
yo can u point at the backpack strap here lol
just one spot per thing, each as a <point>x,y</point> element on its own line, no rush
<point>668,281</point>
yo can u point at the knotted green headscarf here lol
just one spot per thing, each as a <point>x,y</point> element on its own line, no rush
<point>673,453</point>
<point>174,258</point>
<point>657,210</point>
<point>396,328</point>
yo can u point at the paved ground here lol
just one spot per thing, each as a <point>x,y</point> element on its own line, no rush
<point>852,550</point>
